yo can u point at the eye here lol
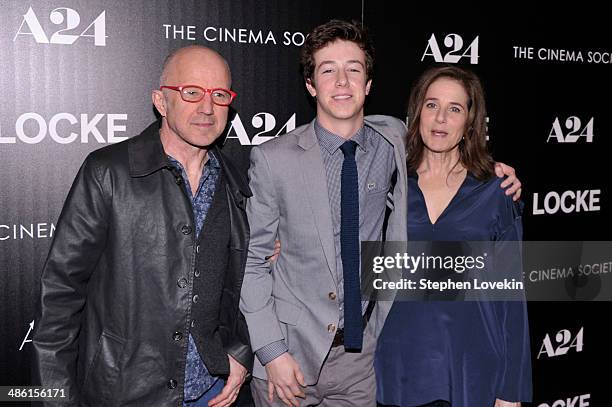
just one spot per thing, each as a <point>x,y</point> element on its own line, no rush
<point>431,105</point>
<point>327,70</point>
<point>455,109</point>
<point>192,92</point>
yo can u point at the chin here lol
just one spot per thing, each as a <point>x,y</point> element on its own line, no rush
<point>202,141</point>
<point>444,149</point>
<point>344,115</point>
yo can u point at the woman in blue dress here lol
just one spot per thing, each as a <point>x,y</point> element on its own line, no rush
<point>462,354</point>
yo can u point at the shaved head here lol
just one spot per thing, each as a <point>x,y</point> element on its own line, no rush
<point>186,52</point>
<point>187,125</point>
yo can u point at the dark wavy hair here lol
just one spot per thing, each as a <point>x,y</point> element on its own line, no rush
<point>331,31</point>
<point>473,151</point>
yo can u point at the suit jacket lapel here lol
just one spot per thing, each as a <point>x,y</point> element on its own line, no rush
<point>315,183</point>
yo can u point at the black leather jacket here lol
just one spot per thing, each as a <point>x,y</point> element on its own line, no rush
<point>116,290</point>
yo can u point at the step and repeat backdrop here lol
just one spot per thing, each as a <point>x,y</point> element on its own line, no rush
<point>77,75</point>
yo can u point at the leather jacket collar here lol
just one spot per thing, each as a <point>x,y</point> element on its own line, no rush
<point>146,156</point>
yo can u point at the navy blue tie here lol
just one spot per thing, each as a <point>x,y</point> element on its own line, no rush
<point>349,245</point>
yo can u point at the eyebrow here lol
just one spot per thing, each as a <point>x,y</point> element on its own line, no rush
<point>352,61</point>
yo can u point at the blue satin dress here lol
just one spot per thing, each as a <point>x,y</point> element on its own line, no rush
<point>467,353</point>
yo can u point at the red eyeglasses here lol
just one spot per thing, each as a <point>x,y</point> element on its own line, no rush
<point>194,93</point>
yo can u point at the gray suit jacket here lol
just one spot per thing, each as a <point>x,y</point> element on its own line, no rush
<point>290,301</point>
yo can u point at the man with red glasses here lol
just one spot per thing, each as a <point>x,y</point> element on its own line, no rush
<point>140,291</point>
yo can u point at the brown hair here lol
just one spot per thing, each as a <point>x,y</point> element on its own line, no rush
<point>473,152</point>
<point>331,31</point>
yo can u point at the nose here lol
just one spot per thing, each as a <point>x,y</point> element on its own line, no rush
<point>341,79</point>
<point>441,116</point>
<point>206,105</point>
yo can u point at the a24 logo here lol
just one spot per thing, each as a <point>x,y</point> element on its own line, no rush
<point>573,124</point>
<point>67,18</point>
<point>457,51</point>
<point>264,121</point>
<point>563,343</point>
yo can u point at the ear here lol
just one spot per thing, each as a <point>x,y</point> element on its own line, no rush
<point>311,89</point>
<point>368,85</point>
<point>157,96</point>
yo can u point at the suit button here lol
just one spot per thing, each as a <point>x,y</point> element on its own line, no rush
<point>192,323</point>
<point>186,229</point>
<point>182,282</point>
<point>331,328</point>
<point>332,296</point>
<point>197,273</point>
<point>196,298</point>
<point>198,249</point>
<point>172,384</point>
<point>177,336</point>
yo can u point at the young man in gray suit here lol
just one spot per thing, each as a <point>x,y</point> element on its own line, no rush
<point>321,189</point>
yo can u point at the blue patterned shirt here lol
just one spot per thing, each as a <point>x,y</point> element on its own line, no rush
<point>197,377</point>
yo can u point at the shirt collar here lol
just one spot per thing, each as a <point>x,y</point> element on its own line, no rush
<point>331,142</point>
<point>212,162</point>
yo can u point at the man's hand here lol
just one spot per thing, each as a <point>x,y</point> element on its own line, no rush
<point>285,376</point>
<point>502,169</point>
<point>274,256</point>
<point>230,391</point>
<point>502,403</point>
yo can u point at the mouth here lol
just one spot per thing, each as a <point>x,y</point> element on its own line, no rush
<point>342,97</point>
<point>203,125</point>
<point>439,133</point>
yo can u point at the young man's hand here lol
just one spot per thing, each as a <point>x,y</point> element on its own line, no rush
<point>286,379</point>
<point>502,169</point>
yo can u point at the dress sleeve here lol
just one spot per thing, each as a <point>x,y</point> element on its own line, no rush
<point>515,380</point>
